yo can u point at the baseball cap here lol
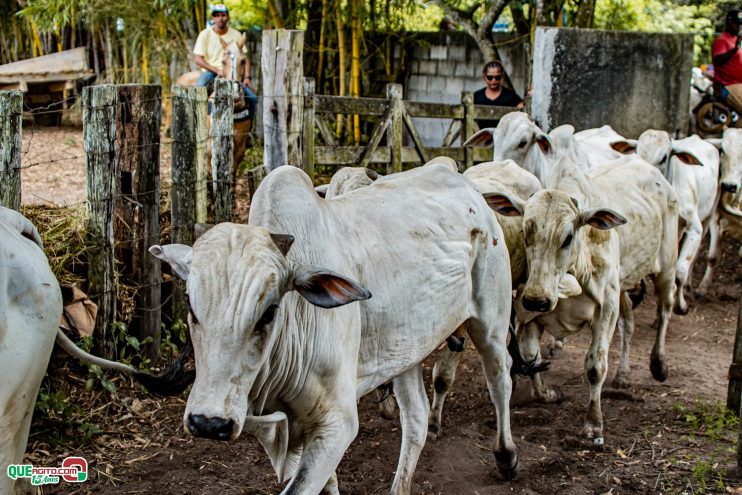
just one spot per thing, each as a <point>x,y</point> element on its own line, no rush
<point>734,16</point>
<point>219,8</point>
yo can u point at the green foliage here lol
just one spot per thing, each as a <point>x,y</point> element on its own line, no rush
<point>663,16</point>
<point>55,415</point>
<point>706,477</point>
<point>713,420</point>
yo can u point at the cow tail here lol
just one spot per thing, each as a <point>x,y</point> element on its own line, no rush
<point>174,379</point>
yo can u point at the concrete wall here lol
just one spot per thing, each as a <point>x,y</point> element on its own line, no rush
<point>444,64</point>
<point>632,81</point>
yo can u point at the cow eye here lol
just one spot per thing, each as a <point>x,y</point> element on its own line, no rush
<point>664,159</point>
<point>522,144</point>
<point>567,241</point>
<point>267,317</point>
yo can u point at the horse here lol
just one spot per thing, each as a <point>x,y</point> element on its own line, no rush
<point>233,68</point>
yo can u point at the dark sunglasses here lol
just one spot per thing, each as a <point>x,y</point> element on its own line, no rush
<point>496,78</point>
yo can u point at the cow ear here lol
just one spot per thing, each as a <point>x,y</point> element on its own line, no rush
<point>544,142</point>
<point>327,289</point>
<point>625,146</point>
<point>504,204</point>
<point>686,157</point>
<point>322,190</point>
<point>283,242</point>
<point>481,139</point>
<point>716,142</point>
<point>178,256</point>
<point>601,218</point>
<point>569,286</point>
<point>372,174</point>
<point>200,229</point>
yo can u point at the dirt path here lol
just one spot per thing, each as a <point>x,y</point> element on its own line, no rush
<point>664,438</point>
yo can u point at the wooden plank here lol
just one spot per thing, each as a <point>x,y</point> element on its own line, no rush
<point>200,109</point>
<point>282,51</point>
<point>324,130</point>
<point>348,105</point>
<point>453,132</point>
<point>222,149</point>
<point>351,155</point>
<point>308,151</point>
<point>415,137</point>
<point>434,110</point>
<point>60,66</point>
<point>137,203</point>
<point>395,128</point>
<point>185,157</point>
<point>99,136</point>
<point>492,112</point>
<point>376,135</point>
<point>11,115</point>
<point>467,99</point>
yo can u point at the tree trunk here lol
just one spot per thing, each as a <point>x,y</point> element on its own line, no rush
<point>355,85</point>
<point>585,14</point>
<point>341,60</point>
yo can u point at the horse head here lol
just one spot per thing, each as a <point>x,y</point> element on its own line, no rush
<point>233,67</point>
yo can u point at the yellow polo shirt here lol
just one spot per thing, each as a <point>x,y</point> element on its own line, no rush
<point>211,49</point>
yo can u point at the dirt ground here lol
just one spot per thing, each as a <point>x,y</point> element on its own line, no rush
<point>661,438</point>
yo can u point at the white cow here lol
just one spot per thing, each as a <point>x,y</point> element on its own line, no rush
<point>604,262</point>
<point>519,139</point>
<point>730,204</point>
<point>30,308</point>
<point>697,189</point>
<point>347,179</point>
<point>508,178</point>
<point>270,360</point>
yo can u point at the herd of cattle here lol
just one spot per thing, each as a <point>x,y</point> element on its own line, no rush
<point>323,298</point>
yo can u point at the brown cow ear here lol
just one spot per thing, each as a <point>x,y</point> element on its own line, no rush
<point>482,138</point>
<point>625,147</point>
<point>687,158</point>
<point>601,218</point>
<point>544,142</point>
<point>283,242</point>
<point>504,204</point>
<point>327,289</point>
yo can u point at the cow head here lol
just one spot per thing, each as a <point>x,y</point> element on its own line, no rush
<point>516,138</point>
<point>236,278</point>
<point>551,223</point>
<point>656,148</point>
<point>730,146</point>
<point>347,179</point>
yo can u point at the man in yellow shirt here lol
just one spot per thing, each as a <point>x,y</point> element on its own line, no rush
<point>208,53</point>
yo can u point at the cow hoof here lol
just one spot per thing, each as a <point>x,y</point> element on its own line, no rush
<point>554,395</point>
<point>680,309</point>
<point>621,382</point>
<point>599,443</point>
<point>434,432</point>
<point>388,408</point>
<point>659,369</point>
<point>507,464</point>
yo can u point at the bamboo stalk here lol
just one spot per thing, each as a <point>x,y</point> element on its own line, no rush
<point>275,16</point>
<point>145,62</point>
<point>355,84</point>
<point>321,54</point>
<point>341,61</point>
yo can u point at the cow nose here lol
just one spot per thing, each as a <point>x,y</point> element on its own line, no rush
<point>727,187</point>
<point>540,304</point>
<point>206,427</point>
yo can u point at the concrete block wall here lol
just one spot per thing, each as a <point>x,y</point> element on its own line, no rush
<point>631,81</point>
<point>444,64</point>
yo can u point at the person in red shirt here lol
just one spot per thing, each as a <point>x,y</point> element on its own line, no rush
<point>727,59</point>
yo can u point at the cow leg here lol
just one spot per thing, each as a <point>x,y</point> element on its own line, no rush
<point>444,373</point>
<point>626,332</point>
<point>409,389</point>
<point>324,446</point>
<point>691,243</point>
<point>664,289</point>
<point>596,367</point>
<point>529,341</point>
<point>716,233</point>
<point>496,362</point>
<point>387,406</point>
<point>331,487</point>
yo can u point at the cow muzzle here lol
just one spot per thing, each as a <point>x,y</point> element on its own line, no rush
<point>537,304</point>
<point>728,187</point>
<point>209,427</point>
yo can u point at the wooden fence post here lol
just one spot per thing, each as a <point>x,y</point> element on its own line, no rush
<point>734,391</point>
<point>394,131</point>
<point>467,99</point>
<point>200,112</point>
<point>222,149</point>
<point>99,136</point>
<point>188,103</point>
<point>11,114</point>
<point>137,203</point>
<point>283,100</point>
<point>308,151</point>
